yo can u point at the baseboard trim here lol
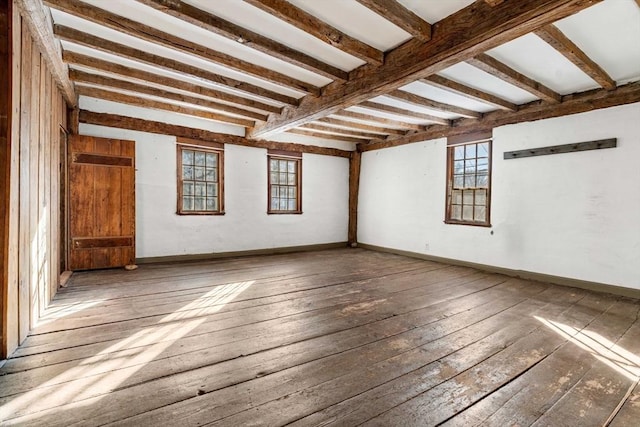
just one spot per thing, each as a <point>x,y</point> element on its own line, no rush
<point>252,252</point>
<point>528,275</point>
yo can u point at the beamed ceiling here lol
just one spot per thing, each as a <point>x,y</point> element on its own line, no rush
<point>350,74</point>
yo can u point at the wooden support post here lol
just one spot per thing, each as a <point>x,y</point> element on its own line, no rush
<point>5,162</point>
<point>354,186</point>
<point>73,120</point>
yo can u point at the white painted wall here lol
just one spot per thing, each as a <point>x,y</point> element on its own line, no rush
<point>246,225</point>
<point>573,215</point>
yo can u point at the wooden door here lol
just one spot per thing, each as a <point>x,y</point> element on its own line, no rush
<point>101,202</point>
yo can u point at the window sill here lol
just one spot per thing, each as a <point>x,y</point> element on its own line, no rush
<point>474,224</point>
<point>200,213</point>
<point>284,212</point>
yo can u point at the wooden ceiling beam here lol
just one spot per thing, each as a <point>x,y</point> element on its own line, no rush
<point>314,134</point>
<point>92,63</point>
<point>379,120</point>
<point>493,2</point>
<point>556,39</point>
<point>390,109</point>
<point>221,27</point>
<point>308,23</point>
<point>536,110</point>
<point>401,17</point>
<point>142,125</point>
<point>138,101</point>
<point>469,92</point>
<point>419,101</point>
<point>362,126</point>
<point>341,131</point>
<point>95,79</point>
<point>153,35</point>
<point>496,68</point>
<point>457,38</point>
<point>34,16</point>
<point>103,45</point>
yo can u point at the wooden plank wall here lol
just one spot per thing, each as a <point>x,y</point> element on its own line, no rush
<point>33,261</point>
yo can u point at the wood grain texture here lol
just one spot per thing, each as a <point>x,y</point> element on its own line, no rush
<point>379,121</point>
<point>88,40</point>
<point>341,336</point>
<point>420,101</point>
<point>400,16</point>
<point>153,35</point>
<point>342,131</point>
<point>556,39</point>
<point>390,109</point>
<point>354,189</point>
<point>363,126</point>
<point>39,25</point>
<point>459,37</point>
<point>238,34</point>
<point>308,23</point>
<point>496,68</point>
<point>322,135</point>
<point>147,78</point>
<point>571,104</point>
<point>469,92</point>
<point>123,122</point>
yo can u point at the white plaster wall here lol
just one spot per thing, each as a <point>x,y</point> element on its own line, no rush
<point>246,225</point>
<point>573,215</point>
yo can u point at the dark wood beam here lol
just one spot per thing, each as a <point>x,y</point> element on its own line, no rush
<point>362,126</point>
<point>153,35</point>
<point>469,92</point>
<point>325,135</point>
<point>308,23</point>
<point>103,45</point>
<point>496,68</point>
<point>379,120</point>
<point>138,101</point>
<point>493,2</point>
<point>404,18</point>
<point>35,18</point>
<point>537,110</point>
<point>221,27</point>
<point>85,61</point>
<point>556,39</point>
<point>354,189</point>
<point>419,101</point>
<point>341,131</point>
<point>141,125</point>
<point>95,79</point>
<point>461,36</point>
<point>390,109</point>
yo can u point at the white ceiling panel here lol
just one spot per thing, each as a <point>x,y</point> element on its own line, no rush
<point>534,58</point>
<point>413,107</point>
<point>615,46</point>
<point>433,11</point>
<point>440,95</point>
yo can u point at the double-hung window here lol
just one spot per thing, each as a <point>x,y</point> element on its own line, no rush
<point>284,182</point>
<point>200,179</point>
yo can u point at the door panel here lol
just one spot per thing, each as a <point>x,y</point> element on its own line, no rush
<point>101,202</point>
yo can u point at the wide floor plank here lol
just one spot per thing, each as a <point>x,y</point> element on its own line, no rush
<point>338,337</point>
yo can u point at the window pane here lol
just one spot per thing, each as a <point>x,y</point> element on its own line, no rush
<point>483,165</point>
<point>467,213</point>
<point>470,151</point>
<point>292,192</point>
<point>469,181</point>
<point>456,213</point>
<point>274,178</point>
<point>291,166</point>
<point>283,191</point>
<point>199,173</point>
<point>200,188</point>
<point>291,179</point>
<point>212,204</point>
<point>200,156</point>
<point>283,204</point>
<point>481,197</point>
<point>456,197</point>
<point>283,177</point>
<point>274,165</point>
<point>211,175</point>
<point>458,181</point>
<point>467,197</point>
<point>212,190</point>
<point>458,153</point>
<point>458,167</point>
<point>480,214</point>
<point>274,191</point>
<point>292,204</point>
<point>274,203</point>
<point>187,188</point>
<point>282,165</point>
<point>483,149</point>
<point>212,159</point>
<point>187,172</point>
<point>187,157</point>
<point>187,203</point>
<point>483,180</point>
<point>470,166</point>
<point>199,204</point>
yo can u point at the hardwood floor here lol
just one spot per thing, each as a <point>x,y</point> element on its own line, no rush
<point>340,337</point>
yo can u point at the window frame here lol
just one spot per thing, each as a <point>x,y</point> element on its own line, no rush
<point>465,140</point>
<point>207,147</point>
<point>285,155</point>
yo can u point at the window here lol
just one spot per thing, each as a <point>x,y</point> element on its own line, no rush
<point>200,179</point>
<point>285,182</point>
<point>469,182</point>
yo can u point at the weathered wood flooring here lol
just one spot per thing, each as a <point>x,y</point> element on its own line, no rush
<point>340,337</point>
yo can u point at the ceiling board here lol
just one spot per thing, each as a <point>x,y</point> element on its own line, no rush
<point>409,106</point>
<point>440,95</point>
<point>433,11</point>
